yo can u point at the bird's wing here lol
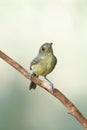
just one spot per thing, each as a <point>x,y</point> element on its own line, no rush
<point>35,61</point>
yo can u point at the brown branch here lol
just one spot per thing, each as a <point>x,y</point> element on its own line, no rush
<point>67,103</point>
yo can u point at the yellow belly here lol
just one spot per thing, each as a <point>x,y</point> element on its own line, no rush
<point>45,66</point>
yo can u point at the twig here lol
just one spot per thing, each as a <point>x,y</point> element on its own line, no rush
<point>67,103</point>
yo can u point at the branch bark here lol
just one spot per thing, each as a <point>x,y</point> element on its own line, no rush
<point>66,102</point>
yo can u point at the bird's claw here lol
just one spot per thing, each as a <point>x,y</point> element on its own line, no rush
<point>32,75</point>
<point>52,87</point>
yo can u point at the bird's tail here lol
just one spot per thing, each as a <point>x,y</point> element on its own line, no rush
<point>32,85</point>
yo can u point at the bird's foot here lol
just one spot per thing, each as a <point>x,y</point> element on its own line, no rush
<point>32,75</point>
<point>52,87</point>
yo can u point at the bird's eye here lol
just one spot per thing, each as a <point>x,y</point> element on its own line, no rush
<point>43,48</point>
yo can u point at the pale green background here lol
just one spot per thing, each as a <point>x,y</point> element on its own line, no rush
<point>24,26</point>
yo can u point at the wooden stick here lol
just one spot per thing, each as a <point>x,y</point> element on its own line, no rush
<point>67,103</point>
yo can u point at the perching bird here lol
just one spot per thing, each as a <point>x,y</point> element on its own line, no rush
<point>43,64</point>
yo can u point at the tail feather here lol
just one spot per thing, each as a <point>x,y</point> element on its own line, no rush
<point>32,85</point>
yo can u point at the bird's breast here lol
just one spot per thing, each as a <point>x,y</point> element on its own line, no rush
<point>45,65</point>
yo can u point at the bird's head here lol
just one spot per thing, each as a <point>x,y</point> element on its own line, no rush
<point>46,48</point>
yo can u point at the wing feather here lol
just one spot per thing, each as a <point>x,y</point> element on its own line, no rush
<point>35,61</point>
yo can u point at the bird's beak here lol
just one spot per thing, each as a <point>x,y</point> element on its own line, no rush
<point>51,44</point>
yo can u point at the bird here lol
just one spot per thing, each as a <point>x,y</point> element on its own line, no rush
<point>43,64</point>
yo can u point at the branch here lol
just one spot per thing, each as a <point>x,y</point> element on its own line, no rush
<point>67,103</point>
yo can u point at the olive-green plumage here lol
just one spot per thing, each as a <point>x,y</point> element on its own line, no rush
<point>44,63</point>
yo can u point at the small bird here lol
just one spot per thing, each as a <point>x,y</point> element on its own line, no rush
<point>43,64</point>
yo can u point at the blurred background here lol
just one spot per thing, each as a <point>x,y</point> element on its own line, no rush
<point>24,26</point>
